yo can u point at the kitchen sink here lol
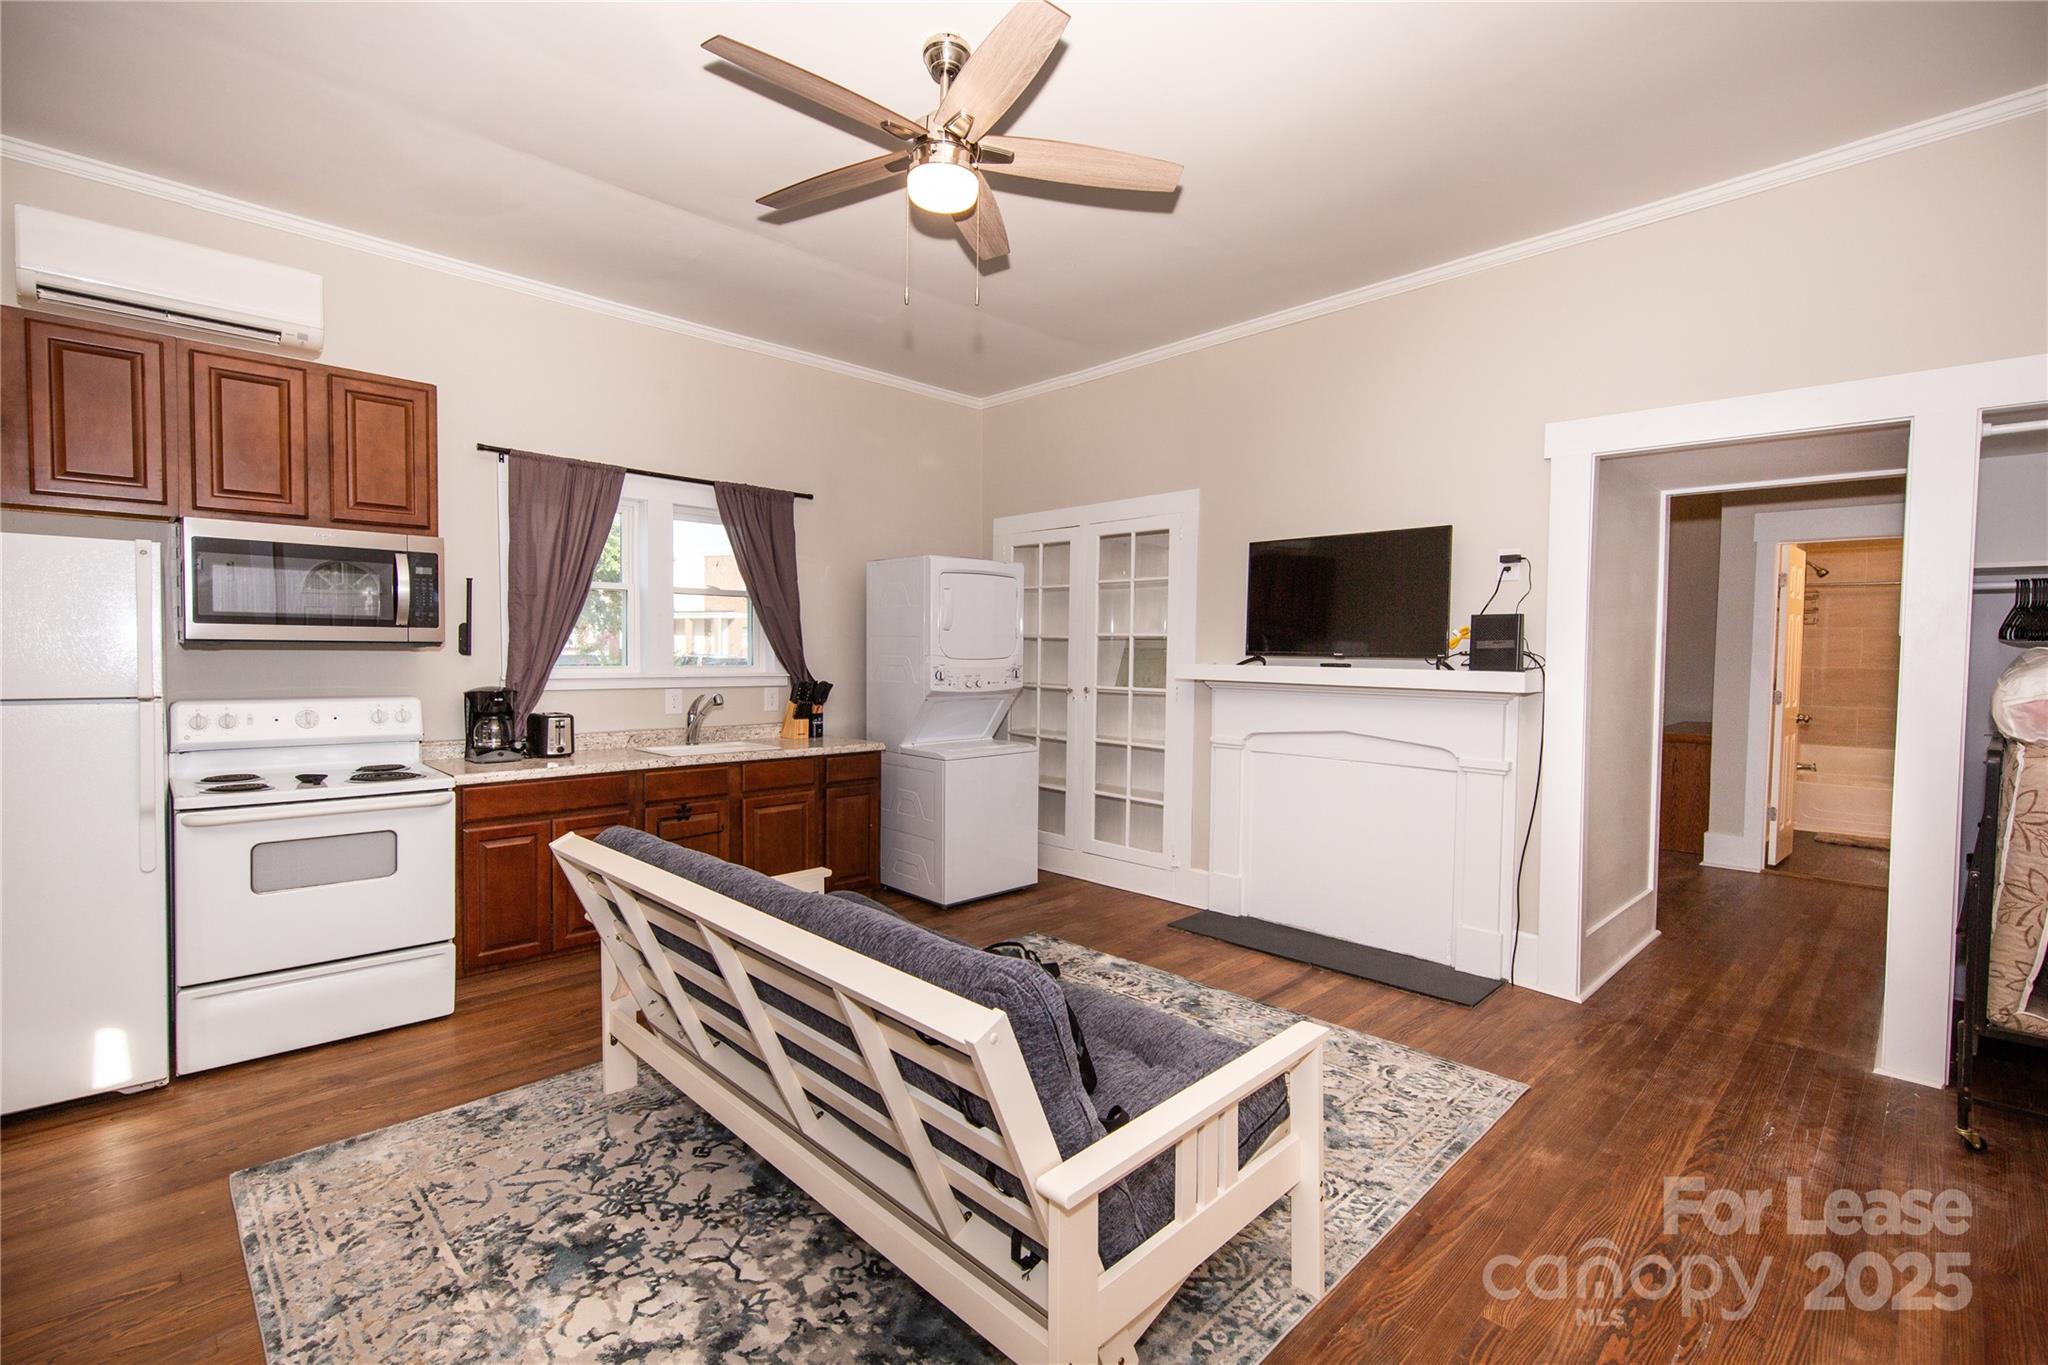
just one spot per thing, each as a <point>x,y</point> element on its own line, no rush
<point>727,746</point>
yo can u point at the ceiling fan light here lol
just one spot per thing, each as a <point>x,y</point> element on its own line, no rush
<point>943,180</point>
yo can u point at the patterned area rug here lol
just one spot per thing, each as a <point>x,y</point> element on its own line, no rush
<point>556,1223</point>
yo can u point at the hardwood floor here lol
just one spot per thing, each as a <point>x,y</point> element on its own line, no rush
<point>1835,862</point>
<point>1736,1049</point>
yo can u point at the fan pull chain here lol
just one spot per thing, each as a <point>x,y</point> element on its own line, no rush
<point>980,236</point>
<point>906,250</point>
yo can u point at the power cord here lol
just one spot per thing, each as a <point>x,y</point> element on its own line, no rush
<point>1499,579</point>
<point>1535,794</point>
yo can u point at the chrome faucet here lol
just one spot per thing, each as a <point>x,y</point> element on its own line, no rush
<point>693,722</point>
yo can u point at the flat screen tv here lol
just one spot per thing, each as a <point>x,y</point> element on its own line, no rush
<point>1377,595</point>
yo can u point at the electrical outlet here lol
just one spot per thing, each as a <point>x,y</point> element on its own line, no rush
<point>1514,568</point>
<point>768,699</point>
<point>672,701</point>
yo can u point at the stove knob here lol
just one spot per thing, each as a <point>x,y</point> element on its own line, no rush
<point>229,720</point>
<point>307,718</point>
<point>195,721</point>
<point>378,716</point>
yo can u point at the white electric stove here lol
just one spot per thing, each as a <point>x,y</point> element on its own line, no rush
<point>313,886</point>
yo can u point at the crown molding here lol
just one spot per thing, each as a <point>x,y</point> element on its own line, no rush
<point>177,192</point>
<point>1988,114</point>
<point>1985,115</point>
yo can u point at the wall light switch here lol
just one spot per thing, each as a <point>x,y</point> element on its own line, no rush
<point>672,700</point>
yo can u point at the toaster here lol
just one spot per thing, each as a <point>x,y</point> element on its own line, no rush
<point>550,734</point>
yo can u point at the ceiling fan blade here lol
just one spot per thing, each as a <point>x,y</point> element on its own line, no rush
<point>1003,65</point>
<point>813,87</point>
<point>981,227</point>
<point>837,181</point>
<point>1076,163</point>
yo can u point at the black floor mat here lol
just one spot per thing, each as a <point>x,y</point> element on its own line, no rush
<point>1399,970</point>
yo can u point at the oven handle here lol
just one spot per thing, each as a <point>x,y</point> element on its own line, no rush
<point>308,810</point>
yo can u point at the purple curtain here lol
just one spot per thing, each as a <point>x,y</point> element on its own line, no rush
<point>559,513</point>
<point>762,524</point>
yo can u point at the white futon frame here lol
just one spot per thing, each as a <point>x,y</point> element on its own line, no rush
<point>1067,1309</point>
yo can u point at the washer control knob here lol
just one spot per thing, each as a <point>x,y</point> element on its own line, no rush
<point>403,715</point>
<point>307,718</point>
<point>195,721</point>
<point>378,716</point>
<point>229,720</point>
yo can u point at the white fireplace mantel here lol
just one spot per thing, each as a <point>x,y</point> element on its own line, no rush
<point>1380,805</point>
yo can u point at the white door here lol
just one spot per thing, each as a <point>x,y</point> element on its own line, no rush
<point>1042,712</point>
<point>1790,656</point>
<point>84,919</point>
<point>1109,623</point>
<point>1126,689</point>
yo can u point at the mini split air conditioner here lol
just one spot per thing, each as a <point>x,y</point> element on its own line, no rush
<point>72,261</point>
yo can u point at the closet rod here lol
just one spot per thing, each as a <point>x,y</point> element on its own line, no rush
<point>1856,583</point>
<point>502,451</point>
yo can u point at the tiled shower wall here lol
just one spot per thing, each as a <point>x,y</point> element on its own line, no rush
<point>1849,681</point>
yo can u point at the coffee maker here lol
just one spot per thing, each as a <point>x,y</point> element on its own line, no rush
<point>487,734</point>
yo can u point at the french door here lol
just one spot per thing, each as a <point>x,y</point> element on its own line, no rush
<point>1108,626</point>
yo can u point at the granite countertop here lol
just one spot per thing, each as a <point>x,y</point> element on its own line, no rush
<point>620,751</point>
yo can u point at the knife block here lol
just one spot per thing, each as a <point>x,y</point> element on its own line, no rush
<point>793,725</point>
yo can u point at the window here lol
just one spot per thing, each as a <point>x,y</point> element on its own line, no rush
<point>666,602</point>
<point>603,633</point>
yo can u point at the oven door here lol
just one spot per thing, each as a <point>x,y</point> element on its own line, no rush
<point>245,582</point>
<point>264,888</point>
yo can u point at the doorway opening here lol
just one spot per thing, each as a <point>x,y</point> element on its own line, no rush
<point>1834,710</point>
<point>1599,830</point>
<point>1780,675</point>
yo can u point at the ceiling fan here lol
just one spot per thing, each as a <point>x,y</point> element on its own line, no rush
<point>949,153</point>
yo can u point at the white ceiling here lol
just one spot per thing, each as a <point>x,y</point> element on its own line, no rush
<point>1327,146</point>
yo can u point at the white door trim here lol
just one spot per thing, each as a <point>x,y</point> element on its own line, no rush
<point>1177,881</point>
<point>1945,411</point>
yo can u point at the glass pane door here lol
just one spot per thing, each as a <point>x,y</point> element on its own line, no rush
<point>1040,714</point>
<point>1130,681</point>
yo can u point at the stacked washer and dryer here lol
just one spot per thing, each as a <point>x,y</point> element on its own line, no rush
<point>945,662</point>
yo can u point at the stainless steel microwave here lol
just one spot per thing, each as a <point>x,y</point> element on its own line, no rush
<point>247,582</point>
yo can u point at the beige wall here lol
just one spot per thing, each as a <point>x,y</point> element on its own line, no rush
<point>1430,406</point>
<point>1692,591</point>
<point>894,473</point>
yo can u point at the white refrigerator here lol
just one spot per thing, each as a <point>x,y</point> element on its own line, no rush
<point>84,914</point>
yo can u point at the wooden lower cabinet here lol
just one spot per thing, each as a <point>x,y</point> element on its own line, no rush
<point>507,881</point>
<point>773,815</point>
<point>1688,776</point>
<point>572,928</point>
<point>706,826</point>
<point>853,835</point>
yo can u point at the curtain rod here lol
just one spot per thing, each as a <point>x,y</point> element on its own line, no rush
<point>502,451</point>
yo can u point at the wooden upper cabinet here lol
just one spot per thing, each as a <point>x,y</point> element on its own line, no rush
<point>85,417</point>
<point>139,423</point>
<point>246,435</point>
<point>380,453</point>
